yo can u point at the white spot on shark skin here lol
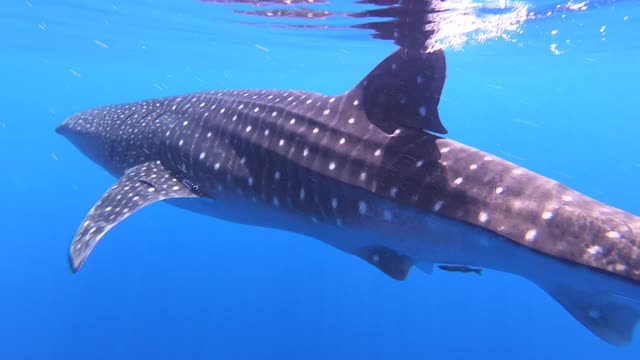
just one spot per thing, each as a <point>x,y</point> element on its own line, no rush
<point>362,207</point>
<point>216,167</point>
<point>332,165</point>
<point>276,175</point>
<point>546,215</point>
<point>292,121</point>
<point>422,111</point>
<point>342,141</point>
<point>517,171</point>
<point>566,198</point>
<point>473,167</point>
<point>326,112</point>
<point>620,267</point>
<point>499,190</point>
<point>363,176</point>
<point>594,250</point>
<point>302,194</point>
<point>438,205</point>
<point>393,191</point>
<point>181,142</point>
<point>487,158</point>
<point>458,181</point>
<point>531,235</point>
<point>185,123</point>
<point>332,99</point>
<point>351,120</point>
<point>419,163</point>
<point>594,313</point>
<point>248,128</point>
<point>334,203</point>
<point>375,258</point>
<point>444,150</point>
<point>386,214</point>
<point>377,153</point>
<point>315,130</point>
<point>305,152</point>
<point>483,217</point>
<point>202,155</point>
<point>281,142</point>
<point>613,234</point>
<point>356,102</point>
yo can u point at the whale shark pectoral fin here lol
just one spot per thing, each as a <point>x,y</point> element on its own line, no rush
<point>139,186</point>
<point>388,261</point>
<point>404,90</point>
<point>611,317</point>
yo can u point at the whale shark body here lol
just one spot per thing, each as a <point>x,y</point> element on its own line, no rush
<point>365,172</point>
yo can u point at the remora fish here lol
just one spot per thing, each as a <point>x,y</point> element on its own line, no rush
<point>359,171</point>
<point>460,268</point>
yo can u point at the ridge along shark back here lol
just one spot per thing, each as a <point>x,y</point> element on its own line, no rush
<point>365,173</point>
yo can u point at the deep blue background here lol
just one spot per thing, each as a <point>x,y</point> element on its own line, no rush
<point>167,284</point>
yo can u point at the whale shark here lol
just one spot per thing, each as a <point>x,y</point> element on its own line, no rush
<point>370,172</point>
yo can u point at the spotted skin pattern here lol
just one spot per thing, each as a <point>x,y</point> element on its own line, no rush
<point>141,185</point>
<point>305,151</point>
<point>348,162</point>
<point>271,144</point>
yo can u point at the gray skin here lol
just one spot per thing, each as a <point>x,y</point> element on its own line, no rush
<point>360,172</point>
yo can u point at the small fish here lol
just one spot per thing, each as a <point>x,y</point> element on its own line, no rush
<point>460,268</point>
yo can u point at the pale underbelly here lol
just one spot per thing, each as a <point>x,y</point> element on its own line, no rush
<point>425,238</point>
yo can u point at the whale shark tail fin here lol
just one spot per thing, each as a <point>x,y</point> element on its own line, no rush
<point>404,90</point>
<point>613,318</point>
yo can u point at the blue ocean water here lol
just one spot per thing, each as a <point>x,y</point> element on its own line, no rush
<point>168,284</point>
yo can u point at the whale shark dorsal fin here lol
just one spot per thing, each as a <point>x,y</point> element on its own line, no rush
<point>388,261</point>
<point>404,90</point>
<point>611,317</point>
<point>139,186</point>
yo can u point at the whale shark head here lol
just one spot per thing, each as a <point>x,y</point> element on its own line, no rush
<point>84,132</point>
<point>119,137</point>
